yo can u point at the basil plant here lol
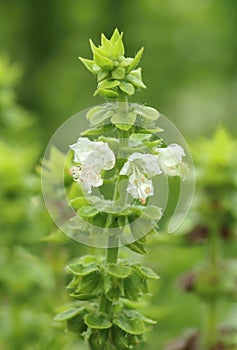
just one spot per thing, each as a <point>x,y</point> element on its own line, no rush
<point>112,183</point>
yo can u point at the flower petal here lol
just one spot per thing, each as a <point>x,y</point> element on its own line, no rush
<point>89,178</point>
<point>148,163</point>
<point>170,159</point>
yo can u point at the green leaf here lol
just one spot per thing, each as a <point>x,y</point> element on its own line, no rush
<point>94,110</point>
<point>83,297</point>
<point>118,270</point>
<point>98,50</point>
<point>89,283</point>
<point>105,43</point>
<point>78,202</point>
<point>127,88</point>
<point>150,130</point>
<point>118,73</point>
<point>141,227</point>
<point>82,270</point>
<point>107,283</point>
<point>106,93</point>
<point>73,283</point>
<point>86,259</point>
<point>148,113</point>
<point>148,321</point>
<point>115,36</point>
<point>77,324</point>
<point>98,321</point>
<point>112,141</point>
<point>99,116</point>
<point>124,121</point>
<point>118,48</point>
<point>145,272</point>
<point>115,292</point>
<point>130,325</point>
<point>133,286</point>
<point>134,340</point>
<point>152,213</point>
<point>119,338</point>
<point>68,314</point>
<point>75,191</point>
<point>138,139</point>
<point>136,60</point>
<point>126,62</point>
<point>109,84</point>
<point>125,212</point>
<point>138,315</point>
<point>102,75</point>
<point>87,212</point>
<point>92,132</point>
<point>89,64</point>
<point>99,221</point>
<point>103,62</point>
<point>136,210</point>
<point>137,247</point>
<point>98,339</point>
<point>135,78</point>
<point>92,45</point>
<point>124,127</point>
<point>136,73</point>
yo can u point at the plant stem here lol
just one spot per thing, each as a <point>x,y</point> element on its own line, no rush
<point>112,253</point>
<point>210,333</point>
<point>122,98</point>
<point>113,242</point>
<point>111,257</point>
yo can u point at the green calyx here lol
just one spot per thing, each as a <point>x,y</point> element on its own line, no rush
<point>91,277</point>
<point>120,327</point>
<point>118,76</point>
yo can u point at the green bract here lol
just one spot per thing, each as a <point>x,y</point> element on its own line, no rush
<point>93,278</point>
<point>124,119</point>
<point>116,74</point>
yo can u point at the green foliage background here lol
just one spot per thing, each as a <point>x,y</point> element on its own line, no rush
<point>189,67</point>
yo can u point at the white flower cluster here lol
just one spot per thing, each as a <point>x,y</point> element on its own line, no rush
<point>94,157</point>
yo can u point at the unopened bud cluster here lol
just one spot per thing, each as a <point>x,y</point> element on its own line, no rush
<point>116,73</point>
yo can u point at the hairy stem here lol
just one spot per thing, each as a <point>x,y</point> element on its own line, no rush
<point>112,253</point>
<point>111,257</point>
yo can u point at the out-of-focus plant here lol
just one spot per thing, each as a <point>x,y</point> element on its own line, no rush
<point>213,223</point>
<point>26,279</point>
<point>120,154</point>
<point>22,273</point>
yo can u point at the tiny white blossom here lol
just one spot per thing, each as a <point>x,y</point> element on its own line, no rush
<point>140,167</point>
<point>170,160</point>
<point>93,157</point>
<point>140,187</point>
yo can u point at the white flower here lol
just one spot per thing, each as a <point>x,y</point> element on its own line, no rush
<point>170,160</point>
<point>139,168</point>
<point>140,187</point>
<point>93,157</point>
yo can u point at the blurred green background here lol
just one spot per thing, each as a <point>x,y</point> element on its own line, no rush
<point>189,67</point>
